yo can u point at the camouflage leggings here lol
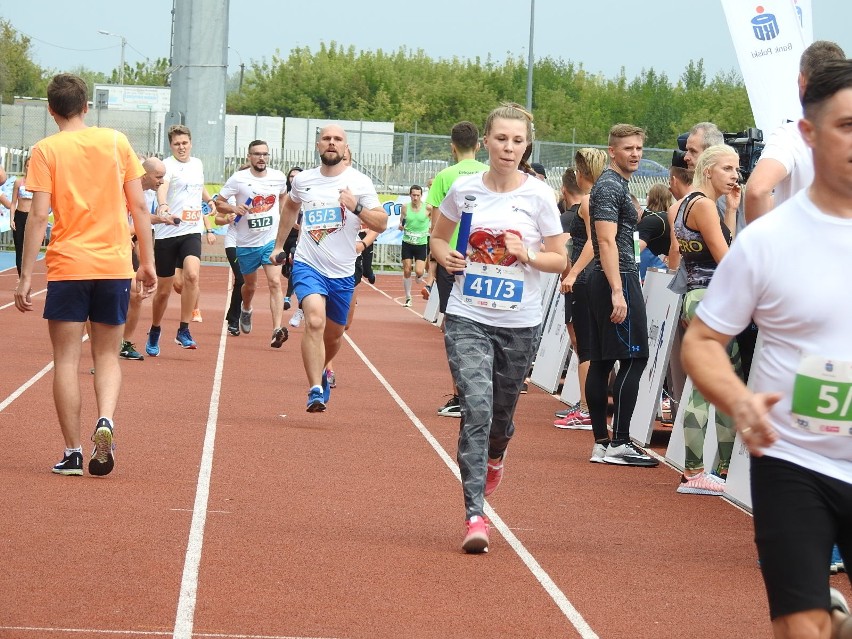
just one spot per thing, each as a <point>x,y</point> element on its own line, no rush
<point>697,411</point>
<point>489,365</point>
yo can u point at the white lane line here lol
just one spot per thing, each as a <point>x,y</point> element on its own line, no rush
<point>145,633</point>
<point>535,568</point>
<point>185,617</point>
<point>5,306</point>
<point>32,380</point>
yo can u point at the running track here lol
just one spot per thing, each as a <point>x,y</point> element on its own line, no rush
<point>232,513</point>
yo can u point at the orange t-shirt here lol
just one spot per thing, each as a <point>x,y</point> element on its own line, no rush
<point>85,172</point>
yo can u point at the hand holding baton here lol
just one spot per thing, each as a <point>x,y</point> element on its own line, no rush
<point>464,226</point>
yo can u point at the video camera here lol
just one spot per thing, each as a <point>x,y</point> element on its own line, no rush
<point>748,145</point>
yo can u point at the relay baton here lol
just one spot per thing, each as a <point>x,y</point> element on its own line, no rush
<point>239,217</point>
<point>464,226</point>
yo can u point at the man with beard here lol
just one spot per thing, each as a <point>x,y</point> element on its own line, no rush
<point>259,194</point>
<point>336,200</point>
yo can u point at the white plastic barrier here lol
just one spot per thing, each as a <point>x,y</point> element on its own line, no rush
<point>555,342</point>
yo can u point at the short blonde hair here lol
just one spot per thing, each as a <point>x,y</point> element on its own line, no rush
<point>619,131</point>
<point>590,163</point>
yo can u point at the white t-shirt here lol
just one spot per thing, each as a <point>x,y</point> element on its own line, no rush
<point>790,272</point>
<point>531,211</point>
<point>261,196</point>
<point>786,145</point>
<point>186,182</point>
<point>329,231</point>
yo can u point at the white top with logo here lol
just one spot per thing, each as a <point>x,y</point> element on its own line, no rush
<point>261,196</point>
<point>496,289</point>
<point>329,231</point>
<point>786,145</point>
<point>186,182</point>
<point>803,315</point>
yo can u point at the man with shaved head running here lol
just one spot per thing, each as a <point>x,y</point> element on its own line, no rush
<point>336,200</point>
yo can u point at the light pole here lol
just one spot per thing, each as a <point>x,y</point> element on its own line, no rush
<point>123,44</point>
<point>242,67</point>
<point>530,61</point>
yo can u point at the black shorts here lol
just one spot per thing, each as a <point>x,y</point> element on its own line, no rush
<point>608,341</point>
<point>798,517</point>
<point>359,269</point>
<point>414,251</point>
<point>101,301</point>
<point>170,252</point>
<point>444,281</point>
<point>290,250</point>
<point>569,301</point>
<point>581,320</point>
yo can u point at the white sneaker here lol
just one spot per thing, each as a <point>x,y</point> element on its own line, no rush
<point>296,320</point>
<point>598,454</point>
<point>407,302</point>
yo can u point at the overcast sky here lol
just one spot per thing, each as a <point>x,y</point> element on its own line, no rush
<point>603,35</point>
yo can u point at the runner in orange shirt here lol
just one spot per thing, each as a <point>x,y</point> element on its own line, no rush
<point>90,177</point>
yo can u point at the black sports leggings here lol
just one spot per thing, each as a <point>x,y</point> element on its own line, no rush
<point>625,391</point>
<point>233,313</point>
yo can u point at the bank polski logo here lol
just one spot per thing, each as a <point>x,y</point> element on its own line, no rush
<point>765,25</point>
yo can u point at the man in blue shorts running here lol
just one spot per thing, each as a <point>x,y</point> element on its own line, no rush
<point>336,200</point>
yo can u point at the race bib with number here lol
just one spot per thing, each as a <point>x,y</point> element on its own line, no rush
<point>326,217</point>
<point>822,396</point>
<point>259,221</point>
<point>493,286</point>
<point>191,215</point>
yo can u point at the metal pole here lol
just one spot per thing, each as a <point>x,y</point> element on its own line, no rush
<point>121,68</point>
<point>530,62</point>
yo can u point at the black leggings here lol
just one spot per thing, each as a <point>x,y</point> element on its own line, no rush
<point>625,392</point>
<point>18,237</point>
<point>233,313</point>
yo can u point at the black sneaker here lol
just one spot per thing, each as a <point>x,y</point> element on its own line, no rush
<point>234,328</point>
<point>102,461</point>
<point>452,408</point>
<point>279,336</point>
<point>70,465</point>
<point>128,351</point>
<point>628,455</point>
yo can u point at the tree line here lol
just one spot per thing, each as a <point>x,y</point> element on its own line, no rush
<point>420,93</point>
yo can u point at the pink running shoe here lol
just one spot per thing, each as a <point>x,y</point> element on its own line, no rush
<point>576,420</point>
<point>476,539</point>
<point>701,484</point>
<point>332,380</point>
<point>494,476</point>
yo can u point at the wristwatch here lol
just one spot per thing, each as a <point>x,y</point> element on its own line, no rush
<point>358,208</point>
<point>531,255</point>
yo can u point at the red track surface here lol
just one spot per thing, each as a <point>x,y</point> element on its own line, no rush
<point>342,524</point>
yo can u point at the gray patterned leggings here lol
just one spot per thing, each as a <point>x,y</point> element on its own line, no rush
<point>489,365</point>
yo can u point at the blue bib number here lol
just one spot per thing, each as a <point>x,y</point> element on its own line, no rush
<point>492,286</point>
<point>326,217</point>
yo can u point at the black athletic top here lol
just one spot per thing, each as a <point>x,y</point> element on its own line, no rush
<point>697,258</point>
<point>610,201</point>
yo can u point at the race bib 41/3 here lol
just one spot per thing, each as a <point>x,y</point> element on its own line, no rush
<point>822,396</point>
<point>493,286</point>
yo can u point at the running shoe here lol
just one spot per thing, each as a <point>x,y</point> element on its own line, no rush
<point>315,400</point>
<point>578,420</point>
<point>184,339</point>
<point>196,315</point>
<point>286,303</point>
<point>425,291</point>
<point>326,387</point>
<point>476,538</point>
<point>452,408</point>
<point>128,351</point>
<point>234,328</point>
<point>701,484</point>
<point>297,318</point>
<point>407,302</point>
<point>245,321</point>
<point>152,345</point>
<point>70,465</point>
<point>103,460</point>
<point>837,565</point>
<point>561,414</point>
<point>598,454</point>
<point>279,336</point>
<point>332,380</point>
<point>838,602</point>
<point>628,454</point>
<point>494,475</point>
